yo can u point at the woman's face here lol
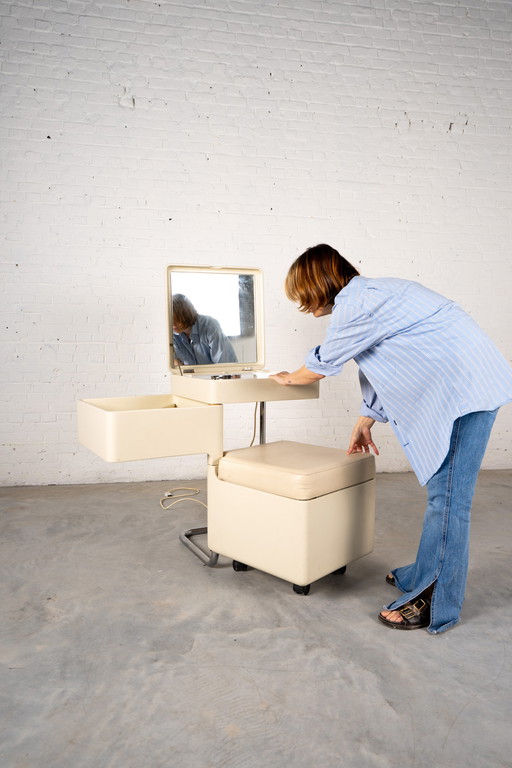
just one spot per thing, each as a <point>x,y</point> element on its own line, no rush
<point>322,311</point>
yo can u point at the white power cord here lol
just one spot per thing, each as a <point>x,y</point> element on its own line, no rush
<point>181,497</point>
<point>254,425</point>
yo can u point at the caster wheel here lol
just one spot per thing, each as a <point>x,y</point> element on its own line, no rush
<point>239,566</point>
<point>340,571</point>
<point>302,590</point>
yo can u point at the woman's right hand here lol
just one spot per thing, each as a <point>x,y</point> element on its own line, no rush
<point>298,378</point>
<point>283,378</point>
<point>361,438</point>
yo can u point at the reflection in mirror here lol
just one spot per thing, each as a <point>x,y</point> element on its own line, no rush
<point>212,317</point>
<point>198,339</point>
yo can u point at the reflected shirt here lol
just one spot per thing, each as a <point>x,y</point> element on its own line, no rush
<point>423,362</point>
<point>207,344</point>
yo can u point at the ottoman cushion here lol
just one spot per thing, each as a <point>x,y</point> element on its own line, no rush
<point>295,470</point>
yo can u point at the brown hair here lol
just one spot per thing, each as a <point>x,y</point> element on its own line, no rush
<point>315,278</point>
<point>184,314</point>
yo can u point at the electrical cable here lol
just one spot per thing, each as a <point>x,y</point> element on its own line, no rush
<point>181,497</point>
<point>254,426</point>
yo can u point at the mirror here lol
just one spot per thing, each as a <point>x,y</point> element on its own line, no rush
<point>214,317</point>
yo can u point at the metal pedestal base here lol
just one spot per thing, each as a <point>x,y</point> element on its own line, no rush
<point>186,539</point>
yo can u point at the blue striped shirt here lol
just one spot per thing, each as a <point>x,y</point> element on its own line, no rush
<point>423,362</point>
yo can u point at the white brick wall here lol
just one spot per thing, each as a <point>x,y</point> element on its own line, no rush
<point>136,134</point>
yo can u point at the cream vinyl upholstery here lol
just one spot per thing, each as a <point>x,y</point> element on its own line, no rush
<point>293,510</point>
<point>295,470</point>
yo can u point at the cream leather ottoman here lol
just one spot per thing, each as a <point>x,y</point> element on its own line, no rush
<point>294,510</point>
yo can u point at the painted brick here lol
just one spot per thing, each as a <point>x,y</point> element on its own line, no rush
<point>139,134</point>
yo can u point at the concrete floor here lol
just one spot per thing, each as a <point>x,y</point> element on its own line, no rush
<point>121,650</point>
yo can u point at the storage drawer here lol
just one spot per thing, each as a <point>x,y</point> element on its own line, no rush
<point>149,427</point>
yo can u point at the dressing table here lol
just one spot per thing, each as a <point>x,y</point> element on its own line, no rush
<point>320,497</point>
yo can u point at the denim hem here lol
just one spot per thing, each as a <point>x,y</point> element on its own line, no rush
<point>444,628</point>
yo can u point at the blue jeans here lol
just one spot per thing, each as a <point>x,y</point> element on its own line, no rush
<point>443,553</point>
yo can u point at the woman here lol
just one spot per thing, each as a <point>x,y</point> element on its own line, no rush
<point>198,339</point>
<point>428,368</point>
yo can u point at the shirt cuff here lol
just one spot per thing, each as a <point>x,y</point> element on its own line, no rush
<point>377,415</point>
<point>313,363</point>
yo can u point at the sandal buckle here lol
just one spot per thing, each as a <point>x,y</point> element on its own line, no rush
<point>411,610</point>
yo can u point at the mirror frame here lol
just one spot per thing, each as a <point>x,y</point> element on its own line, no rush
<point>218,368</point>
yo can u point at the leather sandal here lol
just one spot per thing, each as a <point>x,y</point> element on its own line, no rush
<point>415,615</point>
<point>391,580</point>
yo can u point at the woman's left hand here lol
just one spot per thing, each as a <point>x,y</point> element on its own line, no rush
<point>361,438</point>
